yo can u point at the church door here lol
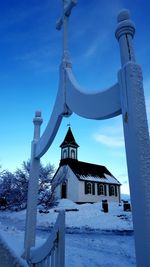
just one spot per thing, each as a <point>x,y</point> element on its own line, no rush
<point>64,190</point>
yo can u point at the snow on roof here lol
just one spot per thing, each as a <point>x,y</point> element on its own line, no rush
<point>89,171</point>
<point>106,179</point>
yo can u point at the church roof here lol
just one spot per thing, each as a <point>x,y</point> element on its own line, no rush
<point>89,172</point>
<point>69,139</point>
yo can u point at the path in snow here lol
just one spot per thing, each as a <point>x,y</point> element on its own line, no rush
<point>105,249</point>
<point>99,250</point>
<point>92,237</point>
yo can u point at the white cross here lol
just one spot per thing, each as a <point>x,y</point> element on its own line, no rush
<point>67,8</point>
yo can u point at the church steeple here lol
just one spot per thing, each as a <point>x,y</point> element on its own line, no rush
<point>69,146</point>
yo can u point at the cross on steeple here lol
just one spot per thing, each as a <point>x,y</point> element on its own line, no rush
<point>67,8</point>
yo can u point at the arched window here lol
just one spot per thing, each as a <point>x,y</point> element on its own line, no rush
<point>111,190</point>
<point>100,189</point>
<point>64,154</point>
<point>89,188</point>
<point>72,154</point>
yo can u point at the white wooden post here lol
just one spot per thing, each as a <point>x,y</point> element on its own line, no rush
<point>61,242</point>
<point>124,33</point>
<point>136,138</point>
<point>31,215</point>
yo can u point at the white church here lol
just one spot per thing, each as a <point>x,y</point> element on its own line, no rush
<point>82,182</point>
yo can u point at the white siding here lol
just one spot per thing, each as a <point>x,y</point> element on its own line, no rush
<point>76,190</point>
<point>73,186</point>
<point>58,192</point>
<point>94,198</point>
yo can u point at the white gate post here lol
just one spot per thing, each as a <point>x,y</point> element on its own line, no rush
<point>136,138</point>
<point>61,243</point>
<point>30,227</point>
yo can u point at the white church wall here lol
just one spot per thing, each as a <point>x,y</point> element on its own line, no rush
<point>94,198</point>
<point>58,192</point>
<point>76,190</point>
<point>73,186</point>
<point>58,180</point>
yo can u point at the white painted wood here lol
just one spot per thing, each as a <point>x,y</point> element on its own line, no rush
<point>124,33</point>
<point>76,188</point>
<point>137,141</point>
<point>56,256</point>
<point>48,264</point>
<point>61,242</point>
<point>138,157</point>
<point>60,109</point>
<point>94,106</point>
<point>31,214</point>
<point>126,97</point>
<point>41,253</point>
<point>67,8</point>
<point>52,258</point>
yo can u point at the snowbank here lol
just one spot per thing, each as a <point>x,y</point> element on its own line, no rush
<point>81,249</point>
<point>89,216</point>
<point>85,216</point>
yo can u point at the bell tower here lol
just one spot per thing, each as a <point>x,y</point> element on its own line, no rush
<point>69,146</point>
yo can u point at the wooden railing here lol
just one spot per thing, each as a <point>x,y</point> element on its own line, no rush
<point>52,252</point>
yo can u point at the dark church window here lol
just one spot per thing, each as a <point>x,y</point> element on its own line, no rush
<point>88,188</point>
<point>64,190</point>
<point>64,154</point>
<point>116,193</point>
<point>93,188</point>
<point>100,189</point>
<point>112,191</point>
<point>72,154</point>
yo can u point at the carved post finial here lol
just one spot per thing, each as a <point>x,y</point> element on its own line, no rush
<point>37,123</point>
<point>124,34</point>
<point>123,15</point>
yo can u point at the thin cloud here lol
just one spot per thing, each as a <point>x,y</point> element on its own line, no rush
<point>38,59</point>
<point>111,136</point>
<point>100,15</point>
<point>97,45</point>
<point>109,141</point>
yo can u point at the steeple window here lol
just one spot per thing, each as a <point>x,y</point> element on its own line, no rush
<point>69,146</point>
<point>64,154</point>
<point>72,154</point>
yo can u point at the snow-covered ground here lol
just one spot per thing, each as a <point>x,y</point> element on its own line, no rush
<point>93,238</point>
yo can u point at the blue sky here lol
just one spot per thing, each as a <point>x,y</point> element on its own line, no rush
<point>30,53</point>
